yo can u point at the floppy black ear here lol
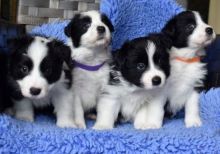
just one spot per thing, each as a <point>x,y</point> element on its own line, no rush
<point>120,55</point>
<point>165,41</point>
<point>68,28</point>
<point>19,42</point>
<point>106,20</point>
<point>62,51</point>
<point>170,28</point>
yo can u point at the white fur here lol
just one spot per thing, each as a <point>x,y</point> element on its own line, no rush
<point>88,85</point>
<point>185,76</point>
<point>36,51</point>
<point>91,38</point>
<point>143,106</point>
<point>153,71</point>
<point>57,93</point>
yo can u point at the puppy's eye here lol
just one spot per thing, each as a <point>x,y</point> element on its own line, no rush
<point>86,26</point>
<point>140,66</point>
<point>24,69</point>
<point>190,27</point>
<point>159,61</point>
<point>48,71</point>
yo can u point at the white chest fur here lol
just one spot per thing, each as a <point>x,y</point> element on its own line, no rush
<point>89,84</point>
<point>184,77</point>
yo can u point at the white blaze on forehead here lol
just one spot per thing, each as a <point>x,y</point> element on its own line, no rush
<point>150,52</point>
<point>37,51</point>
<point>153,69</point>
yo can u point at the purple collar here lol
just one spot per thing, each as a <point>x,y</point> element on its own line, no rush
<point>87,67</point>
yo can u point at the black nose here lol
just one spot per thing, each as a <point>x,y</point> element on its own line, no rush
<point>156,80</point>
<point>101,29</point>
<point>209,31</point>
<point>35,91</point>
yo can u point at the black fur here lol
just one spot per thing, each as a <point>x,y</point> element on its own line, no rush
<point>80,24</point>
<point>20,65</point>
<point>179,28</point>
<point>77,27</point>
<point>105,20</point>
<point>132,59</point>
<point>4,91</point>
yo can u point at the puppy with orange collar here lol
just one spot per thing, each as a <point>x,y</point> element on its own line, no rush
<point>189,35</point>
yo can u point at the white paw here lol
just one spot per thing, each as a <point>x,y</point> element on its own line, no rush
<point>147,125</point>
<point>81,124</point>
<point>25,116</point>
<point>66,124</point>
<point>102,127</point>
<point>193,122</point>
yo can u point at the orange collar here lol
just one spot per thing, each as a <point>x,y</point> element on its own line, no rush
<point>188,60</point>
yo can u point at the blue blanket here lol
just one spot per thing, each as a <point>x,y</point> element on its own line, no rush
<point>131,19</point>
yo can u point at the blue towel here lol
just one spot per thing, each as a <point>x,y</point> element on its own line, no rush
<point>131,19</point>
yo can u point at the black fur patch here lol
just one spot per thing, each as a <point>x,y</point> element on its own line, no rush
<point>20,64</point>
<point>180,27</point>
<point>106,21</point>
<point>4,91</point>
<point>77,27</point>
<point>132,58</point>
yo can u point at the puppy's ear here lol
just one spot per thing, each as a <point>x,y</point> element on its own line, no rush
<point>68,28</point>
<point>165,41</point>
<point>106,21</point>
<point>19,42</point>
<point>62,51</point>
<point>120,55</point>
<point>161,40</point>
<point>170,28</point>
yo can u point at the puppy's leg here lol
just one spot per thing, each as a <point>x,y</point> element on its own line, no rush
<point>64,109</point>
<point>192,118</point>
<point>24,110</point>
<point>150,116</point>
<point>79,113</point>
<point>107,113</point>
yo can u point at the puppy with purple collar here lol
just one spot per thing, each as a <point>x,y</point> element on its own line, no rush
<point>89,35</point>
<point>189,35</point>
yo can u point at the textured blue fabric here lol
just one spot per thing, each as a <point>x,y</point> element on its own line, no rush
<point>43,136</point>
<point>131,19</point>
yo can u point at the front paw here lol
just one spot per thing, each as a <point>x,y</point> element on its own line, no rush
<point>66,124</point>
<point>193,122</point>
<point>26,116</point>
<point>102,126</point>
<point>81,124</point>
<point>147,125</point>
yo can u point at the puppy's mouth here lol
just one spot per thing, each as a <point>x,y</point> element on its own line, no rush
<point>101,37</point>
<point>206,41</point>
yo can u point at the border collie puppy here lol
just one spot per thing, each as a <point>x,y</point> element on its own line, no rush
<point>136,87</point>
<point>189,35</point>
<point>36,78</point>
<point>89,35</point>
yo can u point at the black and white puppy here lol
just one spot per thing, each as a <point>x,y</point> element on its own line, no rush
<point>36,78</point>
<point>189,35</point>
<point>89,35</point>
<point>136,87</point>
